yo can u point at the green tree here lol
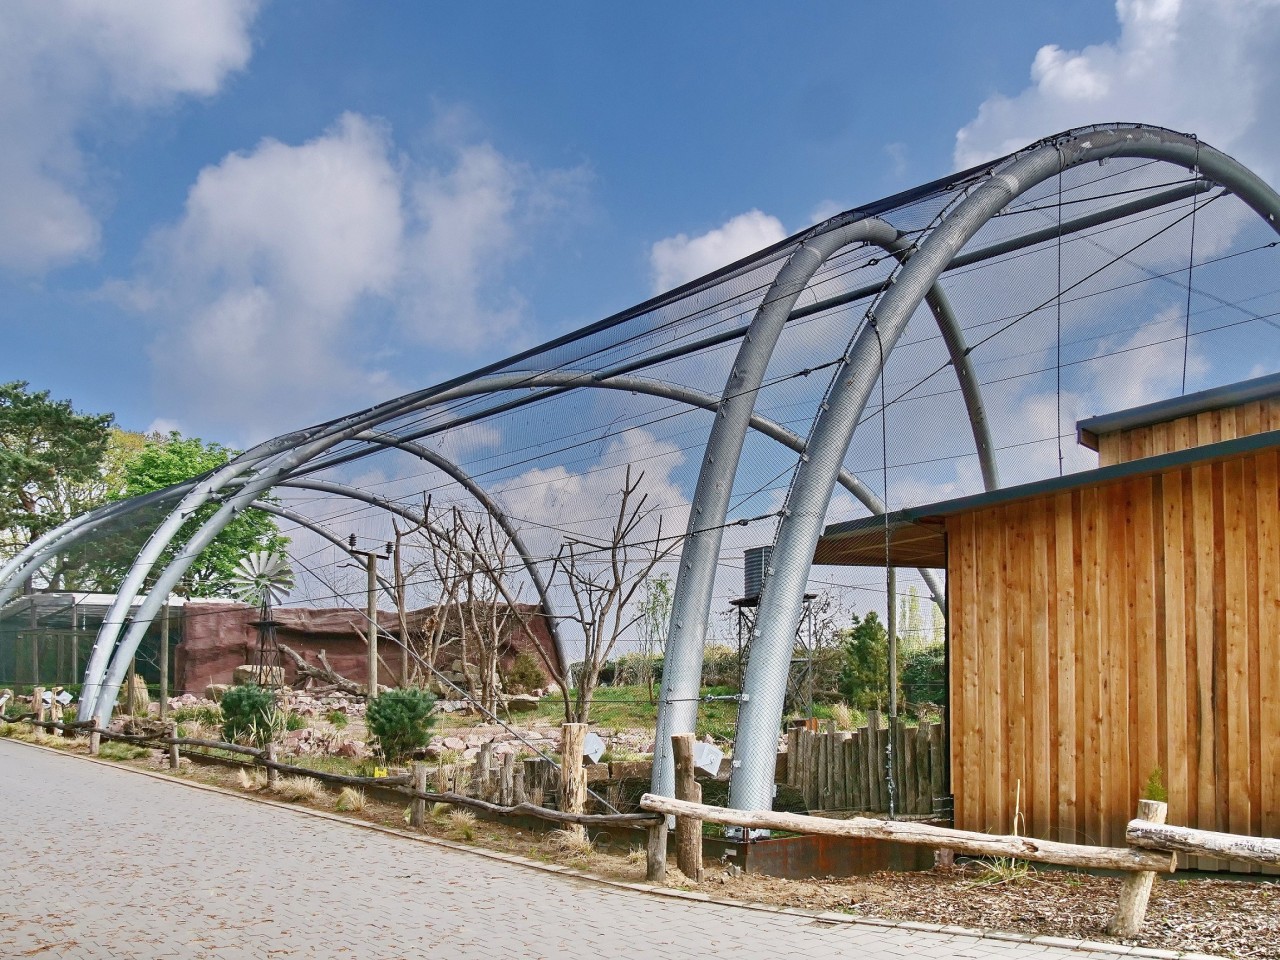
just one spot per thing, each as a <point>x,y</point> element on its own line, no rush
<point>923,675</point>
<point>50,463</point>
<point>864,678</point>
<point>165,461</point>
<point>655,613</point>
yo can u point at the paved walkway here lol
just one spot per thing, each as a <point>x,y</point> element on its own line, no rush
<point>156,869</point>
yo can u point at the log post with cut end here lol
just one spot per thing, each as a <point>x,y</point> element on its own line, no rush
<point>484,772</point>
<point>37,707</point>
<point>171,730</point>
<point>573,778</point>
<point>1135,891</point>
<point>688,830</point>
<point>418,808</point>
<point>95,738</point>
<point>507,780</point>
<point>272,773</point>
<point>655,869</point>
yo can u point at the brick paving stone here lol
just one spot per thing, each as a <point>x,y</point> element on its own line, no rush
<point>125,866</point>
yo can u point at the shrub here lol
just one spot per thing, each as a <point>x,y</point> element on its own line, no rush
<point>864,677</point>
<point>1155,789</point>
<point>337,718</point>
<point>294,721</point>
<point>923,675</point>
<point>115,750</point>
<point>525,675</point>
<point>209,716</point>
<point>249,714</point>
<point>400,721</point>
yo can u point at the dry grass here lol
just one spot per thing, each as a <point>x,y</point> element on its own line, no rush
<point>299,788</point>
<point>463,824</point>
<point>439,811</point>
<point>842,715</point>
<point>637,855</point>
<point>350,800</point>
<point>570,844</point>
<point>251,779</point>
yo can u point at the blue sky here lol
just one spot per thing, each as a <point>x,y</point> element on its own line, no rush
<point>237,218</point>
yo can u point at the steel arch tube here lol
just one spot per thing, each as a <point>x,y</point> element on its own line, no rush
<point>751,783</point>
<point>499,515</point>
<point>695,581</point>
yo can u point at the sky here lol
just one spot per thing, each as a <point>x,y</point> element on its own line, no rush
<point>234,218</point>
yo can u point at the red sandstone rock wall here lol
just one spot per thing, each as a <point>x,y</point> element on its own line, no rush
<point>219,637</point>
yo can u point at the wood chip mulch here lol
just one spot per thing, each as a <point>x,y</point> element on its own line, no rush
<point>1230,918</point>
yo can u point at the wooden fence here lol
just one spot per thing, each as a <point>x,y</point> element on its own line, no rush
<point>839,770</point>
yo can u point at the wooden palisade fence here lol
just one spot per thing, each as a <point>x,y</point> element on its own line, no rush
<point>842,770</point>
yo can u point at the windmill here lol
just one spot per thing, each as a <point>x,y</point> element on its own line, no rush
<point>264,579</point>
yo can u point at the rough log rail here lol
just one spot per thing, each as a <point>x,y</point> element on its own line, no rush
<point>1226,846</point>
<point>961,841</point>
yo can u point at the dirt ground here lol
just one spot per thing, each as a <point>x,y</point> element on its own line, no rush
<point>1231,918</point>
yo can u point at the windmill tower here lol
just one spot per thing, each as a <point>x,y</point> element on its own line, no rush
<point>264,579</point>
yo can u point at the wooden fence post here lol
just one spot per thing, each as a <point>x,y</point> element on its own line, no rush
<point>688,830</point>
<point>37,707</point>
<point>1135,891</point>
<point>655,869</point>
<point>573,778</point>
<point>171,730</point>
<point>418,808</point>
<point>272,773</point>
<point>95,738</point>
<point>484,772</point>
<point>507,780</point>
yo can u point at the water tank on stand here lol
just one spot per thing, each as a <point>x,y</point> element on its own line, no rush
<point>753,567</point>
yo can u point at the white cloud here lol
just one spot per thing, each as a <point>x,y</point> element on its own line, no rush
<point>676,260</point>
<point>255,284</point>
<point>1204,68</point>
<point>64,65</point>
<point>296,273</point>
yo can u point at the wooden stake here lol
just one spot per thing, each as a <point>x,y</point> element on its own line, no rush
<point>272,773</point>
<point>484,772</point>
<point>573,778</point>
<point>418,809</point>
<point>688,829</point>
<point>655,870</point>
<point>95,739</point>
<point>174,759</point>
<point>507,780</point>
<point>1135,891</point>
<point>37,706</point>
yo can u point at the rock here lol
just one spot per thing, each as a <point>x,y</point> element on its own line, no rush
<point>214,691</point>
<point>470,753</point>
<point>454,743</point>
<point>521,703</point>
<point>352,750</point>
<point>249,673</point>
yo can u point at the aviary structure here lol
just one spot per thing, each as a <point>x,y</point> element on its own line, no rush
<point>935,343</point>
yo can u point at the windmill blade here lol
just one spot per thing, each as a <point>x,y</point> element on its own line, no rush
<point>262,577</point>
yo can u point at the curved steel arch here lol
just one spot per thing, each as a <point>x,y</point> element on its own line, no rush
<point>751,783</point>
<point>695,581</point>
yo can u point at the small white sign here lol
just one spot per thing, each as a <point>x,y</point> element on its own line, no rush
<point>3,701</point>
<point>593,747</point>
<point>48,696</point>
<point>64,698</point>
<point>707,756</point>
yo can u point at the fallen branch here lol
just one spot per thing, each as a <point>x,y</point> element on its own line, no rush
<point>324,673</point>
<point>1204,843</point>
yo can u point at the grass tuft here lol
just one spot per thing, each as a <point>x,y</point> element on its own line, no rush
<point>299,788</point>
<point>463,824</point>
<point>350,799</point>
<point>251,779</point>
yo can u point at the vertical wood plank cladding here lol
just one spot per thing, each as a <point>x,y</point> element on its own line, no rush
<point>1267,495</point>
<point>1101,632</point>
<point>1210,426</point>
<point>1062,744</point>
<point>1173,640</point>
<point>1093,528</point>
<point>1144,717</point>
<point>1235,646</point>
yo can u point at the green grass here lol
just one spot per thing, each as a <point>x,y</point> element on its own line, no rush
<point>115,750</point>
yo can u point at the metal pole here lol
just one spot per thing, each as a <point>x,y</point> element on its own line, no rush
<point>164,662</point>
<point>371,564</point>
<point>891,584</point>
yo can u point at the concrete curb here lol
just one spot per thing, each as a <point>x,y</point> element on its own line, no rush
<point>824,916</point>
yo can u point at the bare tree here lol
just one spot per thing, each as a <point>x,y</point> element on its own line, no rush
<point>603,580</point>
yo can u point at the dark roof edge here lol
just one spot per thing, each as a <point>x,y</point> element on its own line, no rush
<point>1222,450</point>
<point>1233,394</point>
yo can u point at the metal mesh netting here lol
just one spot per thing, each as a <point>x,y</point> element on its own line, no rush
<point>1101,313</point>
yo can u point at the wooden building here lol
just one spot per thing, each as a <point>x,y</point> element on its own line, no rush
<point>1114,627</point>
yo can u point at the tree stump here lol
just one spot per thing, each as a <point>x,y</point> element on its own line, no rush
<point>573,778</point>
